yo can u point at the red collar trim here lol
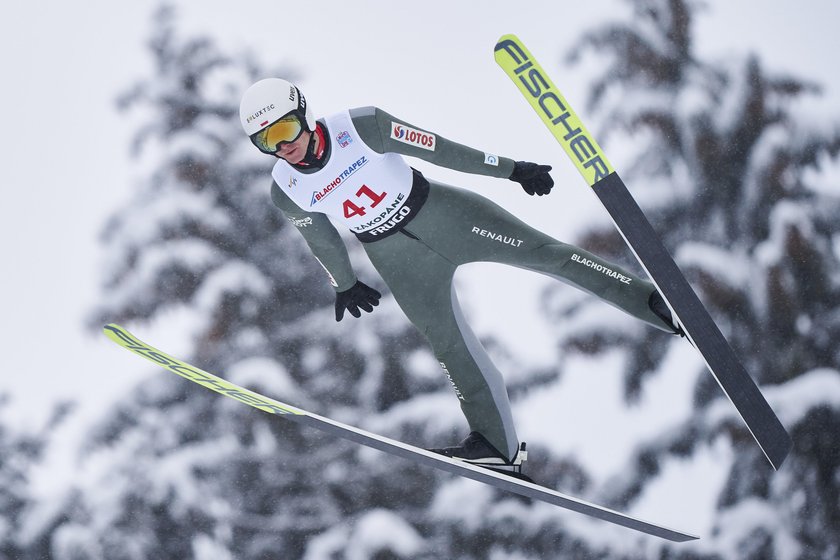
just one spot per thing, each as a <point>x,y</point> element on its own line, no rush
<point>322,141</point>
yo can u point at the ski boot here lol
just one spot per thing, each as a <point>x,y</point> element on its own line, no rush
<point>657,304</point>
<point>476,450</point>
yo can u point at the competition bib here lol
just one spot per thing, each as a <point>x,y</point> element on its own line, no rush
<point>359,187</point>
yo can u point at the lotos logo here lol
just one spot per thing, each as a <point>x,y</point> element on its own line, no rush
<point>413,137</point>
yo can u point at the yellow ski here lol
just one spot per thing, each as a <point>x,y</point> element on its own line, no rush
<point>694,319</point>
<point>421,456</point>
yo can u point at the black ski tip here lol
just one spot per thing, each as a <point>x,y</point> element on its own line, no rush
<point>778,452</point>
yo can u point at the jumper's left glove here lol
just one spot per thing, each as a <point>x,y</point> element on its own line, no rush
<point>360,295</point>
<point>533,177</point>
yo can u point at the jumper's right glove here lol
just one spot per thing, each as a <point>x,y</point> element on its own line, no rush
<point>359,295</point>
<point>533,177</point>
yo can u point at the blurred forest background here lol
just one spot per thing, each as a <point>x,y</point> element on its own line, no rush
<point>732,166</point>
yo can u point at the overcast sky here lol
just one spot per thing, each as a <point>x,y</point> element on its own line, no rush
<point>65,159</point>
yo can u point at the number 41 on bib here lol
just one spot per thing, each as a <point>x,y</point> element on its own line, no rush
<point>352,209</point>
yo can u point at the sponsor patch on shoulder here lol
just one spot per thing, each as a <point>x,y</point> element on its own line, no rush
<point>344,139</point>
<point>413,137</point>
<point>490,159</point>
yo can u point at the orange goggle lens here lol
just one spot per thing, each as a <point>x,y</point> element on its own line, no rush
<point>283,131</point>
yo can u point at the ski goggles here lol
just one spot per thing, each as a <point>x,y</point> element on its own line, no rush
<point>284,130</point>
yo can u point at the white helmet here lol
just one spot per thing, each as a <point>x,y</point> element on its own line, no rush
<point>270,100</point>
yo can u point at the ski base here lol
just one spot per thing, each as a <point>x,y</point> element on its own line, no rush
<point>393,447</point>
<point>695,321</point>
<point>581,147</point>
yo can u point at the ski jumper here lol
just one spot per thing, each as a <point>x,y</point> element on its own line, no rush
<point>417,232</point>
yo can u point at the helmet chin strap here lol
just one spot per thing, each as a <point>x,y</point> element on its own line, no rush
<point>309,157</point>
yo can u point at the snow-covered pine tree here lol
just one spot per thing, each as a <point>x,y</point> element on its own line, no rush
<point>21,453</point>
<point>195,476</point>
<point>16,456</point>
<point>740,179</point>
<point>178,472</point>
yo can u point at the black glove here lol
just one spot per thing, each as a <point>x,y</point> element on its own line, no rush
<point>534,178</point>
<point>360,295</point>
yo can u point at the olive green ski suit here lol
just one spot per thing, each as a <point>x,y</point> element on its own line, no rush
<point>448,227</point>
